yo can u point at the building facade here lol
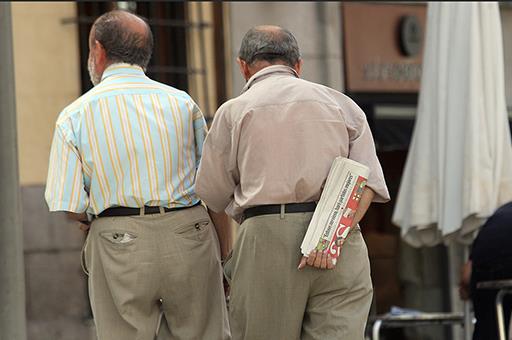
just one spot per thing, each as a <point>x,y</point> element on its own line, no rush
<point>196,44</point>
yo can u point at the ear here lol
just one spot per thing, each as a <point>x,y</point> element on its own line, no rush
<point>100,54</point>
<point>298,66</point>
<point>244,68</point>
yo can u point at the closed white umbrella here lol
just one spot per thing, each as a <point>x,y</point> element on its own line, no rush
<point>459,166</point>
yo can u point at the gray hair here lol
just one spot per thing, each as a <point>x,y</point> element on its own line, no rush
<point>269,43</point>
<point>121,44</point>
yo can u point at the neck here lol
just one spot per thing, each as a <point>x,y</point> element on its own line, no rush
<point>260,65</point>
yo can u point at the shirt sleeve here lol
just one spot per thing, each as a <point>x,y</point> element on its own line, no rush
<point>216,177</point>
<point>65,190</point>
<point>362,150</point>
<point>200,130</point>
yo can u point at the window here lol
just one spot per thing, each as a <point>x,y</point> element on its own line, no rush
<point>188,51</point>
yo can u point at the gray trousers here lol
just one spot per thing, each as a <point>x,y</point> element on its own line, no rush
<point>135,261</point>
<point>271,300</point>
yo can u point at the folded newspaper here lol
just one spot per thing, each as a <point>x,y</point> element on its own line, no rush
<point>335,211</point>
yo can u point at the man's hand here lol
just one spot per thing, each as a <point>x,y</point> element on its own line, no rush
<point>82,218</point>
<point>324,260</point>
<point>85,227</point>
<point>320,260</point>
<point>223,229</point>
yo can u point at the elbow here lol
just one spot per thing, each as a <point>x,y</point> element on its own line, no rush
<point>199,191</point>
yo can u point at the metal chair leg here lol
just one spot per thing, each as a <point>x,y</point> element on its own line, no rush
<point>376,329</point>
<point>467,321</point>
<point>499,313</point>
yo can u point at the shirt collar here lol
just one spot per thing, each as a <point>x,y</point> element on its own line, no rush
<point>122,68</point>
<point>267,72</point>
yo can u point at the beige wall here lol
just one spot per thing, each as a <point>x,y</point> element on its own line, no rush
<point>316,25</point>
<point>47,73</point>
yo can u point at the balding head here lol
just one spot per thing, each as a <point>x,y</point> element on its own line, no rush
<point>125,37</point>
<point>271,44</point>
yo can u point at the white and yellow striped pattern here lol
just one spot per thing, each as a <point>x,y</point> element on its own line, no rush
<point>130,141</point>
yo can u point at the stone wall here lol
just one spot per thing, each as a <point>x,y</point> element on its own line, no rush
<point>56,292</point>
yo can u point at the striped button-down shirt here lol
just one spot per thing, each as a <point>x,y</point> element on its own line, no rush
<point>130,141</point>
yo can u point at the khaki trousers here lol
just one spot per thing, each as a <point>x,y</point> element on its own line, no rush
<point>135,261</point>
<point>271,300</point>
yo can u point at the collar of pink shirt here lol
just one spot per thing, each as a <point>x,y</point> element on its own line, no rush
<point>267,72</point>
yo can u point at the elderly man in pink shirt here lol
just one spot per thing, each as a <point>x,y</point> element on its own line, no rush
<point>264,161</point>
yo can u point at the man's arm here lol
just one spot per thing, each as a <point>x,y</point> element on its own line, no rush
<point>65,189</point>
<point>220,220</point>
<point>216,178</point>
<point>82,218</point>
<point>223,228</point>
<point>364,204</point>
<point>324,260</point>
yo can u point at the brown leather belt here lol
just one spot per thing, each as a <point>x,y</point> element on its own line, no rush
<point>269,209</point>
<point>125,211</point>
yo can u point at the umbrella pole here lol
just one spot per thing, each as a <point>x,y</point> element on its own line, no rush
<point>468,322</point>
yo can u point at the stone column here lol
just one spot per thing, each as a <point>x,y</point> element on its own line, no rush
<point>12,281</point>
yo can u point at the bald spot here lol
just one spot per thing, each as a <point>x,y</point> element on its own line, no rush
<point>269,29</point>
<point>128,21</point>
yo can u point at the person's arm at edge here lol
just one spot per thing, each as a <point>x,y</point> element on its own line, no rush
<point>465,279</point>
<point>323,261</point>
<point>223,228</point>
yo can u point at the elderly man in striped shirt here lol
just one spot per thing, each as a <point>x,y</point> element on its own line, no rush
<point>124,159</point>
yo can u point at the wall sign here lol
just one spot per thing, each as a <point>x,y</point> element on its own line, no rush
<point>383,46</point>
